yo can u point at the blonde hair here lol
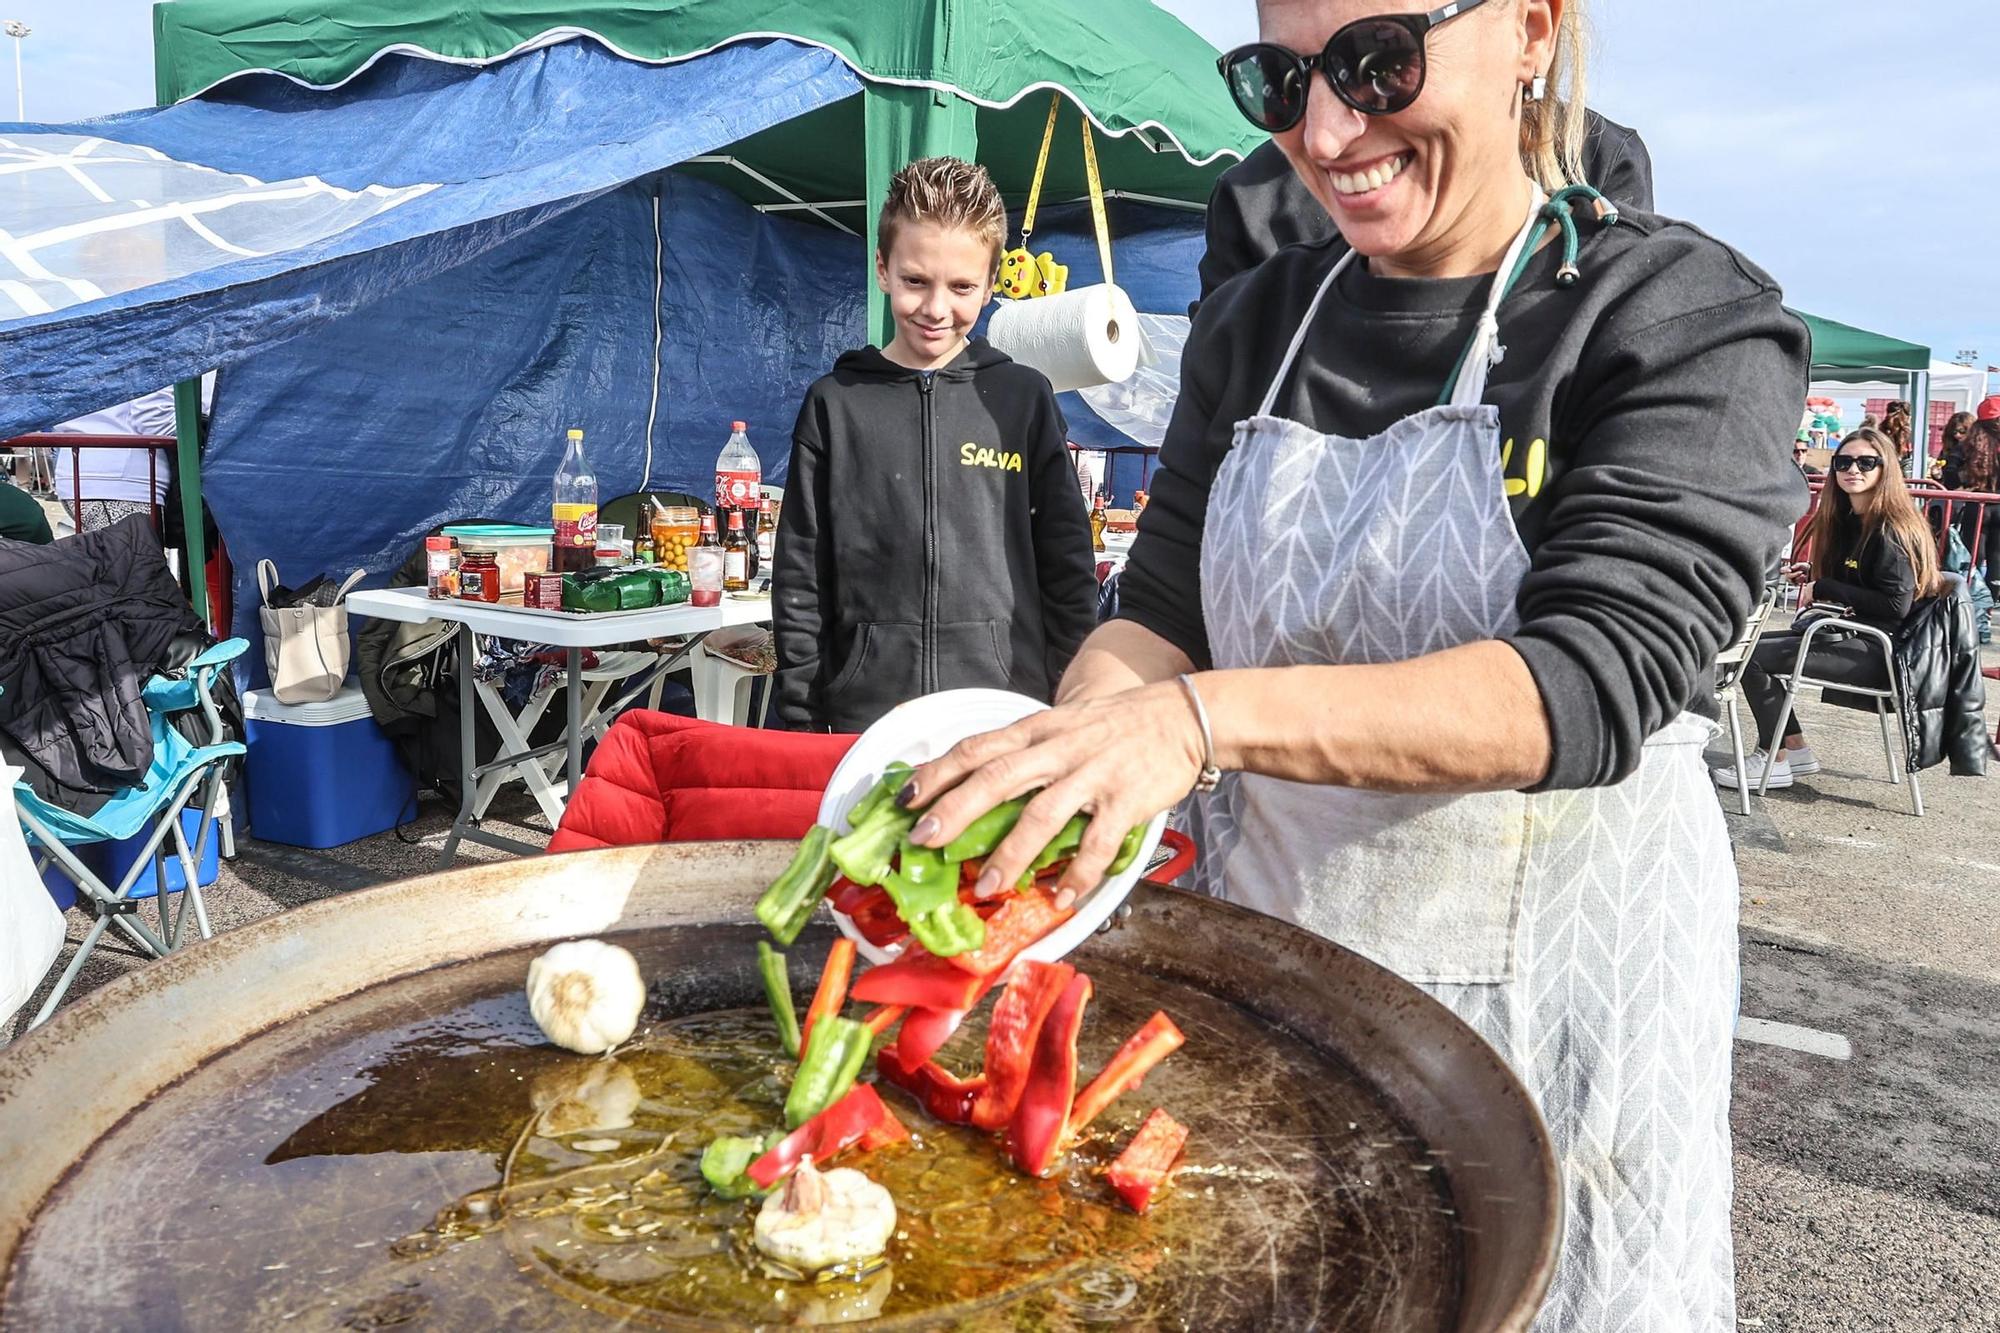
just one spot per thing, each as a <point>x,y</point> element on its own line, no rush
<point>1892,509</point>
<point>952,193</point>
<point>1552,129</point>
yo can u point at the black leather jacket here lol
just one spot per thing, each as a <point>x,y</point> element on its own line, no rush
<point>1944,696</point>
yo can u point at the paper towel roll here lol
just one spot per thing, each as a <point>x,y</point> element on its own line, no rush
<point>1083,337</point>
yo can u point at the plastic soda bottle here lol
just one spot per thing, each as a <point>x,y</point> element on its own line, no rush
<point>575,509</point>
<point>739,475</point>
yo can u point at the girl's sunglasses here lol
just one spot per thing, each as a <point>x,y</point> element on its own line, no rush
<point>1862,463</point>
<point>1375,65</point>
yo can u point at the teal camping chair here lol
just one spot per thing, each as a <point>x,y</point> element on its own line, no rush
<point>182,775</point>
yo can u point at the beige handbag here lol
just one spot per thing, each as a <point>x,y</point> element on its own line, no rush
<point>305,644</point>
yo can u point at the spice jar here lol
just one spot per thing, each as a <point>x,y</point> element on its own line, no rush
<point>479,578</point>
<point>441,566</point>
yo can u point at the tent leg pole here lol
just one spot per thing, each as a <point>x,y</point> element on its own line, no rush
<point>902,125</point>
<point>187,440</point>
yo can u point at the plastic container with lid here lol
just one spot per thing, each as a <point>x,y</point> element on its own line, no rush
<point>515,548</point>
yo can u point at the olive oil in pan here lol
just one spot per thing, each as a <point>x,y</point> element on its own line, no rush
<point>416,1156</point>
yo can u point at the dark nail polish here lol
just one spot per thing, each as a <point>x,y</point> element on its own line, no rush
<point>907,796</point>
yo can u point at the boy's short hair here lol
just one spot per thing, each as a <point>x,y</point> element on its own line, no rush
<point>951,192</point>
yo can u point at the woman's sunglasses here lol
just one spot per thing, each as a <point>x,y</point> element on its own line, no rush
<point>1862,463</point>
<point>1375,65</point>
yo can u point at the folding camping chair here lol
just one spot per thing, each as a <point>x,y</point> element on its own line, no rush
<point>633,672</point>
<point>1888,701</point>
<point>181,774</point>
<point>1729,667</point>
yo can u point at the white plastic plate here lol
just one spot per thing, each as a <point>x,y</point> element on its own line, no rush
<point>922,730</point>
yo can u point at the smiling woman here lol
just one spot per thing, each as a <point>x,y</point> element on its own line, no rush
<point>1430,630</point>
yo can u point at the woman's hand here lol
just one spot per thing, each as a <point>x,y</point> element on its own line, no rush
<point>1120,759</point>
<point>1806,593</point>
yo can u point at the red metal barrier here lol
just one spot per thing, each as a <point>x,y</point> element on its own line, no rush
<point>154,445</point>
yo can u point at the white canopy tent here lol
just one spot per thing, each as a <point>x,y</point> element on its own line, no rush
<point>1963,386</point>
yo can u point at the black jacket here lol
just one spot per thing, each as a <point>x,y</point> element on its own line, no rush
<point>1944,696</point>
<point>933,537</point>
<point>1260,206</point>
<point>84,624</point>
<point>1872,574</point>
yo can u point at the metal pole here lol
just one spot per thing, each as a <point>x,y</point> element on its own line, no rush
<point>18,31</point>
<point>187,437</point>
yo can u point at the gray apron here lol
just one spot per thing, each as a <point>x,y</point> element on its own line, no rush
<point>1590,936</point>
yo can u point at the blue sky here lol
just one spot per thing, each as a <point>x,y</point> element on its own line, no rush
<point>1848,146</point>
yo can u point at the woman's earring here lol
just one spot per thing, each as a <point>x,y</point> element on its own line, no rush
<point>1538,89</point>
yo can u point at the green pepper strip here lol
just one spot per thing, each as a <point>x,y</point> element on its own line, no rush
<point>924,888</point>
<point>834,1053</point>
<point>725,1164</point>
<point>882,793</point>
<point>790,902</point>
<point>1128,851</point>
<point>985,833</point>
<point>865,852</point>
<point>778,990</point>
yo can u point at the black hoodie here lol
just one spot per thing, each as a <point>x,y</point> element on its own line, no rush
<point>933,537</point>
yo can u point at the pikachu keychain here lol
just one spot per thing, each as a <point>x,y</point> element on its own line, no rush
<point>1024,275</point>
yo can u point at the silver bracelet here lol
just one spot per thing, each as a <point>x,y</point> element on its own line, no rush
<point>1210,776</point>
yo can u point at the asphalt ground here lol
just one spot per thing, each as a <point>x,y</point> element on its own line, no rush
<point>1867,1187</point>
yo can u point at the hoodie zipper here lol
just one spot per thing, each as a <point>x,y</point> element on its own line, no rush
<point>926,646</point>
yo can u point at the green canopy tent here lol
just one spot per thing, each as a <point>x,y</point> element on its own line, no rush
<point>963,77</point>
<point>1843,355</point>
<point>942,76</point>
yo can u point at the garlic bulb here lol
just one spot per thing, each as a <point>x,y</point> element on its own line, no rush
<point>822,1219</point>
<point>586,995</point>
<point>576,1098</point>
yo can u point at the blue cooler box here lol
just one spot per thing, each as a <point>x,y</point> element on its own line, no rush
<point>319,775</point>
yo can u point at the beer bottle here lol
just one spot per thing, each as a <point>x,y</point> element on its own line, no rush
<point>767,534</point>
<point>735,556</point>
<point>1097,520</point>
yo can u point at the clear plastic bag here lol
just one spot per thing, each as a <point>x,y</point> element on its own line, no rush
<point>31,929</point>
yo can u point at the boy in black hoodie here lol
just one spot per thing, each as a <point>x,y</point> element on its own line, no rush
<point>933,534</point>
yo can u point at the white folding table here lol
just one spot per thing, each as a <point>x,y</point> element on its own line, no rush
<point>573,634</point>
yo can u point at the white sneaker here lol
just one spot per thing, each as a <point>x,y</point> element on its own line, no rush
<point>1781,772</point>
<point>1803,763</point>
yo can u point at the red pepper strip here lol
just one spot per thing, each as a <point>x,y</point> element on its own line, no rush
<point>884,1018</point>
<point>924,1033</point>
<point>1021,920</point>
<point>872,911</point>
<point>1035,1135</point>
<point>1148,1159</point>
<point>845,895</point>
<point>884,1132</point>
<point>922,981</point>
<point>1010,1038</point>
<point>1154,1042</point>
<point>832,992</point>
<point>840,1126</point>
<point>945,1096</point>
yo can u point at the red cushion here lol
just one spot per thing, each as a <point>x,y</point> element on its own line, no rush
<point>656,777</point>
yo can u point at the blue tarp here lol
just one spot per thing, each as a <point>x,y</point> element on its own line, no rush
<point>579,122</point>
<point>420,366</point>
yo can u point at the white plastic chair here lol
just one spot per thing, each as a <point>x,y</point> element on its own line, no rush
<point>723,686</point>
<point>1729,667</point>
<point>1888,701</point>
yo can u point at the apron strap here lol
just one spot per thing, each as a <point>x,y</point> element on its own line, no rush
<point>1468,382</point>
<point>1299,338</point>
